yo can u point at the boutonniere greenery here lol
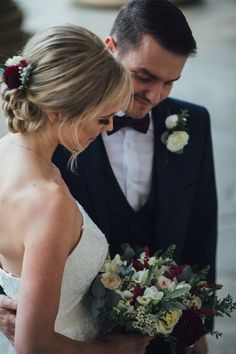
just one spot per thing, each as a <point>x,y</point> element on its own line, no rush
<point>176,137</point>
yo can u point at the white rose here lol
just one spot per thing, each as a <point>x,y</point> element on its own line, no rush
<point>177,140</point>
<point>153,293</point>
<point>13,61</point>
<point>110,281</point>
<point>171,121</point>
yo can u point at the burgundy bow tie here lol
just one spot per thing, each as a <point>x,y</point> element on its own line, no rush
<point>141,125</point>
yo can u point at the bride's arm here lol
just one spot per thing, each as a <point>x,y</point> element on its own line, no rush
<point>48,240</point>
<point>48,232</point>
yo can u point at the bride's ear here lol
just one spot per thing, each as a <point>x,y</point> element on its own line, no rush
<point>53,117</point>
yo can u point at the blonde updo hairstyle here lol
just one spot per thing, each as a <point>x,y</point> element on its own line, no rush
<point>74,74</point>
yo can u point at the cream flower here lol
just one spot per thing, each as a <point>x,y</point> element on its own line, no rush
<point>126,294</point>
<point>111,280</point>
<point>166,324</point>
<point>141,276</point>
<point>177,140</point>
<point>14,60</point>
<point>112,266</point>
<point>171,121</point>
<point>153,293</point>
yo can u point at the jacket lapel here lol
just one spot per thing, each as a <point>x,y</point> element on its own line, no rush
<point>162,168</point>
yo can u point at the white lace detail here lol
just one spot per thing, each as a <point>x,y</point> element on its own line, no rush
<point>73,319</point>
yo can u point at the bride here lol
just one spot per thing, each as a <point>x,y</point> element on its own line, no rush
<point>63,90</point>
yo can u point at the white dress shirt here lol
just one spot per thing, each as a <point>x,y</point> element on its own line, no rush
<point>131,157</point>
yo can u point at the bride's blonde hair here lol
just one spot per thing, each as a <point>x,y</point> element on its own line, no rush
<point>73,74</point>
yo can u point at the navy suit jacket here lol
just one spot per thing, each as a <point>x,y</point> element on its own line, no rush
<point>186,203</point>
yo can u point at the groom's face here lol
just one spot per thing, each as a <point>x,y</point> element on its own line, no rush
<point>153,69</point>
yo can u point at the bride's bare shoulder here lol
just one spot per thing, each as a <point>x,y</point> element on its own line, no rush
<point>50,198</point>
<point>49,206</point>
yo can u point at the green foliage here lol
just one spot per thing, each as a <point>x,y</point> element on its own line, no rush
<point>169,253</point>
<point>97,288</point>
<point>225,306</point>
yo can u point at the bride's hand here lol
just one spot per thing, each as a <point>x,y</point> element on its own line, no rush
<point>8,317</point>
<point>125,343</point>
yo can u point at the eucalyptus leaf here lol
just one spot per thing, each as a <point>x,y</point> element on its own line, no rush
<point>112,298</point>
<point>96,307</point>
<point>173,305</point>
<point>124,270</point>
<point>128,251</point>
<point>164,137</point>
<point>97,289</point>
<point>177,293</point>
<point>186,274</point>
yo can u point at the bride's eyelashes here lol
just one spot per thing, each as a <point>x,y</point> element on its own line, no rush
<point>104,121</point>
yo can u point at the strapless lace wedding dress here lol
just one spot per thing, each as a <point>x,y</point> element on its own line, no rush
<point>74,319</point>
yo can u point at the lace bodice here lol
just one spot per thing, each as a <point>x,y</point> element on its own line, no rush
<point>73,319</point>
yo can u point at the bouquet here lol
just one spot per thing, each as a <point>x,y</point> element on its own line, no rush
<point>153,295</point>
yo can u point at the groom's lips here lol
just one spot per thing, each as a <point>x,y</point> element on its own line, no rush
<point>142,100</point>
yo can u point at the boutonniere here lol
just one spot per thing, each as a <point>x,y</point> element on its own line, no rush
<point>175,138</point>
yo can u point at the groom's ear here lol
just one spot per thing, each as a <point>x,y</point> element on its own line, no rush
<point>111,44</point>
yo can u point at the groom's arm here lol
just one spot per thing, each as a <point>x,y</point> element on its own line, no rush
<point>200,246</point>
<point>8,316</point>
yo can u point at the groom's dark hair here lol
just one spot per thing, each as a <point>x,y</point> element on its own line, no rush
<point>159,18</point>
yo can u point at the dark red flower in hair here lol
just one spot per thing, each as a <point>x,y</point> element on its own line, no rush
<point>12,75</point>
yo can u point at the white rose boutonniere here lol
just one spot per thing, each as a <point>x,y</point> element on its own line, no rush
<point>176,137</point>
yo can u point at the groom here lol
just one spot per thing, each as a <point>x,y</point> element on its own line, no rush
<point>132,186</point>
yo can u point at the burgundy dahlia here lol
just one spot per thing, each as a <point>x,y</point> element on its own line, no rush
<point>207,312</point>
<point>12,75</point>
<point>189,328</point>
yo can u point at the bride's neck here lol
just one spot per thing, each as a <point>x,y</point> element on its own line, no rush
<point>43,142</point>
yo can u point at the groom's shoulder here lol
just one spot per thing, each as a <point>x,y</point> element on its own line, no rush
<point>172,105</point>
